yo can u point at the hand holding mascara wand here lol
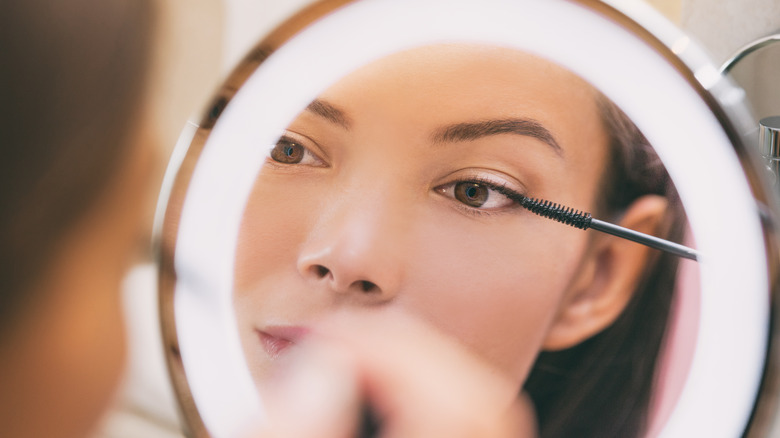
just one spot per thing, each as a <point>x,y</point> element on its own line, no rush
<point>583,221</point>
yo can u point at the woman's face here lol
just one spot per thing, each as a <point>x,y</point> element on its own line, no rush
<point>388,191</point>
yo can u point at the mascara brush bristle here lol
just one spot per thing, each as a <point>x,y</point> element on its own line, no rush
<point>557,212</point>
<point>583,221</point>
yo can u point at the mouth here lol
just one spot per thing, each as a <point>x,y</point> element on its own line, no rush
<point>276,339</point>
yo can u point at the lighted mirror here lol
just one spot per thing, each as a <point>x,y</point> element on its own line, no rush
<point>381,154</point>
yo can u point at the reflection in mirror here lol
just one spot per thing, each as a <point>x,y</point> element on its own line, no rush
<point>393,189</point>
<point>386,178</point>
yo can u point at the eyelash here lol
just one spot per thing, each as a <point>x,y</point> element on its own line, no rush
<point>501,189</point>
<point>309,158</point>
<point>490,185</point>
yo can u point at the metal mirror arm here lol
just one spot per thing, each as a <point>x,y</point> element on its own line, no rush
<point>769,127</point>
<point>747,50</point>
<point>769,145</point>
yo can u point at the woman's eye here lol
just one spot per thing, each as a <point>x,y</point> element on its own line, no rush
<point>471,194</point>
<point>476,195</point>
<point>289,151</point>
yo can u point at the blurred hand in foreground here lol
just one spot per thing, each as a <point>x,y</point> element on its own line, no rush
<point>418,383</point>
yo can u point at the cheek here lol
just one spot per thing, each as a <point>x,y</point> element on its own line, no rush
<point>275,224</point>
<point>272,229</point>
<point>494,286</point>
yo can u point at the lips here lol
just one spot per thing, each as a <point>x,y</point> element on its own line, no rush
<point>276,339</point>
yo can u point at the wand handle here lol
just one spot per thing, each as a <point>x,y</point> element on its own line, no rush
<point>645,239</point>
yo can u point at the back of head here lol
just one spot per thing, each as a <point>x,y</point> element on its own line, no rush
<point>70,86</point>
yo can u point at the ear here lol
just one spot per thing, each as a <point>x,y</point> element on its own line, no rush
<point>608,276</point>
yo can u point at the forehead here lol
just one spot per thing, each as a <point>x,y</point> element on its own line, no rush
<point>485,80</point>
<point>413,93</point>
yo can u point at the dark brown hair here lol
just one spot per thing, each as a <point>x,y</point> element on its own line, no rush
<point>70,91</point>
<point>602,387</point>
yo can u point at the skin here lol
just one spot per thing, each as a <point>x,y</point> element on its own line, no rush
<point>338,368</point>
<point>369,217</point>
<point>62,363</point>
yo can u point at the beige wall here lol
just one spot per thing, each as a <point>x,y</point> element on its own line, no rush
<point>723,27</point>
<point>248,20</point>
<point>670,8</point>
<point>187,63</point>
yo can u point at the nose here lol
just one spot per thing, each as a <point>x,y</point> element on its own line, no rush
<point>355,252</point>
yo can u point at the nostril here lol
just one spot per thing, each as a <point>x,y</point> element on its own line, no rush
<point>367,286</point>
<point>321,271</point>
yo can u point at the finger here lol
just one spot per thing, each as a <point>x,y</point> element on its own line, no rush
<point>420,380</point>
<point>316,394</point>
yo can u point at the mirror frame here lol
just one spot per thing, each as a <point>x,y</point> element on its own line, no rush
<point>715,91</point>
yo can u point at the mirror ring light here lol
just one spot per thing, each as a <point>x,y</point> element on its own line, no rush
<point>674,48</point>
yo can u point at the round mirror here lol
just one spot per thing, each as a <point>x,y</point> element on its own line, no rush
<point>383,154</point>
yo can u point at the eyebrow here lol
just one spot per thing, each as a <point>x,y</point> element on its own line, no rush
<point>329,112</point>
<point>476,130</point>
<point>456,132</point>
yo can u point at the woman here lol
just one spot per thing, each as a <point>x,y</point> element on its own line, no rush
<point>392,191</point>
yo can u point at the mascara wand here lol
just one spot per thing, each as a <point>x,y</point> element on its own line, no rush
<point>583,221</point>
